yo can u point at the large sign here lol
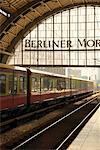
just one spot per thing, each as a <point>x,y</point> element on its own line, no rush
<point>63,44</point>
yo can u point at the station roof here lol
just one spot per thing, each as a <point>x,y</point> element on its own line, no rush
<point>18,17</point>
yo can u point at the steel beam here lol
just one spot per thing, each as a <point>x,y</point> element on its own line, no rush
<point>22,11</point>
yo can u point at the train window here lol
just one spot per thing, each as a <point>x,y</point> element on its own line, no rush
<point>67,84</point>
<point>54,84</point>
<point>2,84</point>
<point>15,85</point>
<point>46,83</point>
<point>22,85</point>
<point>60,84</point>
<point>38,84</point>
<point>72,82</point>
<point>12,85</point>
<point>78,84</point>
<point>34,84</point>
<point>51,84</point>
<point>42,87</point>
<point>84,84</point>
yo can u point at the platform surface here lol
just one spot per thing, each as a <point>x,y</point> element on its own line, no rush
<point>89,137</point>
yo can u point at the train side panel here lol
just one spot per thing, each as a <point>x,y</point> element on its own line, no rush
<point>25,87</point>
<point>12,88</point>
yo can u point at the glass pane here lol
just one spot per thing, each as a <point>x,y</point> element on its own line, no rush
<point>2,84</point>
<point>22,84</point>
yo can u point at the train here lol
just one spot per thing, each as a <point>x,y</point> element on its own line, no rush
<point>23,87</point>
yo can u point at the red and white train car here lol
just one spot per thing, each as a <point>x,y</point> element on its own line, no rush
<point>22,87</point>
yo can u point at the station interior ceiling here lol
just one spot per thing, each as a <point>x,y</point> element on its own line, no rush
<point>18,17</point>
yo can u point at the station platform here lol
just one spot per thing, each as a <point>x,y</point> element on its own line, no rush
<point>89,137</point>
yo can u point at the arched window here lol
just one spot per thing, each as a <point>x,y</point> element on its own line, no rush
<point>70,37</point>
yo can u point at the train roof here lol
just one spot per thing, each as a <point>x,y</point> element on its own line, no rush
<point>46,73</point>
<point>56,75</point>
<point>40,72</point>
<point>20,68</point>
<point>6,66</point>
<point>82,79</point>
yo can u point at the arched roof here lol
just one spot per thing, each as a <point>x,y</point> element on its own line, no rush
<point>17,17</point>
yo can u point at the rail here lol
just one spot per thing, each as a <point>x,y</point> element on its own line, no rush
<point>94,97</point>
<point>14,122</point>
<point>77,127</point>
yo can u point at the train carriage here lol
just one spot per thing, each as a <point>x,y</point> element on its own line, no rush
<point>23,87</point>
<point>13,87</point>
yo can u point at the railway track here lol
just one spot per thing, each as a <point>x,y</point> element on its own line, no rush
<point>60,134</point>
<point>19,120</point>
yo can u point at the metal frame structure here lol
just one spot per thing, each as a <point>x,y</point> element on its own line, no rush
<point>22,15</point>
<point>70,50</point>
